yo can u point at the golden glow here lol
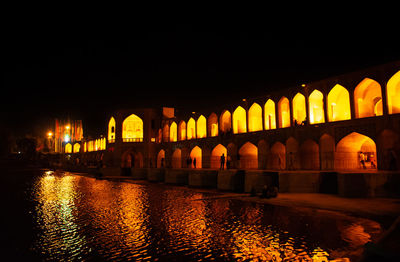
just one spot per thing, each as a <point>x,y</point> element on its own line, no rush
<point>216,154</point>
<point>90,146</point>
<point>393,94</point>
<point>225,121</point>
<point>68,148</point>
<point>338,104</point>
<point>84,147</point>
<point>132,129</point>
<point>348,151</point>
<point>201,127</point>
<point>196,154</point>
<point>284,112</point>
<point>176,159</point>
<point>299,108</point>
<point>173,132</point>
<point>111,130</point>
<point>248,156</point>
<point>191,129</point>
<point>255,118</point>
<point>213,125</point>
<point>316,107</point>
<point>182,131</point>
<point>49,134</point>
<point>239,120</point>
<point>368,99</point>
<point>161,158</point>
<point>269,115</point>
<point>278,156</point>
<point>166,133</point>
<point>77,147</point>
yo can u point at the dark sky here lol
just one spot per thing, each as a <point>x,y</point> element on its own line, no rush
<point>83,70</point>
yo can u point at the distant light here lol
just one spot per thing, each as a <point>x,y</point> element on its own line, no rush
<point>66,138</point>
<point>49,134</point>
<point>67,127</point>
<point>244,99</point>
<point>153,139</point>
<point>303,85</point>
<point>193,112</point>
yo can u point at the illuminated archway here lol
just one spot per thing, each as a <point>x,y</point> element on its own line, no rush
<point>269,115</point>
<point>278,156</point>
<point>182,131</point>
<point>316,107</point>
<point>161,159</point>
<point>68,148</point>
<point>111,130</point>
<point>165,133</point>
<point>216,154</point>
<point>338,104</point>
<point>196,154</point>
<point>368,99</point>
<point>239,120</point>
<point>327,151</point>
<point>299,108</point>
<point>284,112</point>
<point>176,158</point>
<point>173,132</point>
<point>393,94</point>
<point>248,155</point>
<point>201,127</point>
<point>352,149</point>
<point>77,147</point>
<point>225,121</point>
<point>292,154</point>
<point>132,129</point>
<point>212,125</point>
<point>255,118</point>
<point>309,155</point>
<point>191,129</point>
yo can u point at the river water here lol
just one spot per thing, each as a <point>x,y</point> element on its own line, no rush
<point>65,217</point>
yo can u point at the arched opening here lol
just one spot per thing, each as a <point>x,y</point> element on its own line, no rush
<point>393,94</point>
<point>68,148</point>
<point>269,115</point>
<point>262,154</point>
<point>111,130</point>
<point>182,131</point>
<point>299,109</point>
<point>201,127</point>
<point>239,120</point>
<point>338,104</point>
<point>389,150</point>
<point>278,156</point>
<point>309,155</point>
<point>248,155</point>
<point>161,159</point>
<point>177,158</point>
<point>77,147</point>
<point>191,129</point>
<point>225,121</point>
<point>368,99</point>
<point>166,133</point>
<point>316,107</point>
<point>216,154</point>
<point>255,118</point>
<point>138,161</point>
<point>126,160</point>
<point>196,157</point>
<point>292,154</point>
<point>173,132</point>
<point>355,151</point>
<point>212,125</point>
<point>132,129</point>
<point>327,151</point>
<point>284,112</point>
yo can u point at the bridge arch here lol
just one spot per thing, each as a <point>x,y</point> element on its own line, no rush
<point>368,99</point>
<point>177,158</point>
<point>284,112</point>
<point>111,130</point>
<point>225,121</point>
<point>338,104</point>
<point>201,127</point>
<point>161,158</point>
<point>239,120</point>
<point>173,132</point>
<point>255,118</point>
<point>278,156</point>
<point>299,108</point>
<point>182,131</point>
<point>393,94</point>
<point>196,153</point>
<point>216,154</point>
<point>316,107</point>
<point>191,129</point>
<point>248,155</point>
<point>212,125</point>
<point>132,129</point>
<point>269,115</point>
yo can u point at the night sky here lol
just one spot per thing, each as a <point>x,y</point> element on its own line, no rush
<point>84,70</point>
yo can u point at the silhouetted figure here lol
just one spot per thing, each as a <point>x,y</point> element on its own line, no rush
<point>269,191</point>
<point>194,162</point>
<point>222,162</point>
<point>362,160</point>
<point>162,162</point>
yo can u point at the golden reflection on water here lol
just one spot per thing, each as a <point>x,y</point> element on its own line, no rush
<point>81,217</point>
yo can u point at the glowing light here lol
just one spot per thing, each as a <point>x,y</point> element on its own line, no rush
<point>196,154</point>
<point>111,130</point>
<point>173,132</point>
<point>132,129</point>
<point>225,121</point>
<point>239,120</point>
<point>339,101</point>
<point>299,108</point>
<point>216,154</point>
<point>368,99</point>
<point>191,129</point>
<point>269,115</point>
<point>255,118</point>
<point>68,148</point>
<point>284,112</point>
<point>201,127</point>
<point>316,106</point>
<point>49,134</point>
<point>67,138</point>
<point>393,94</point>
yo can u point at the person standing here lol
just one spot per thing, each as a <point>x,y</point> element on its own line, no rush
<point>222,162</point>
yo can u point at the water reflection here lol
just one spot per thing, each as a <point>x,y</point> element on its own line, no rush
<point>80,218</point>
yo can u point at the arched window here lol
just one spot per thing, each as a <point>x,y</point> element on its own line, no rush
<point>161,158</point>
<point>196,154</point>
<point>111,130</point>
<point>269,115</point>
<point>225,121</point>
<point>299,108</point>
<point>132,129</point>
<point>212,125</point>
<point>338,104</point>
<point>77,147</point>
<point>248,156</point>
<point>173,132</point>
<point>182,131</point>
<point>201,127</point>
<point>191,129</point>
<point>393,94</point>
<point>68,148</point>
<point>255,118</point>
<point>316,107</point>
<point>216,154</point>
<point>239,120</point>
<point>166,133</point>
<point>176,158</point>
<point>368,99</point>
<point>284,112</point>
